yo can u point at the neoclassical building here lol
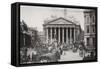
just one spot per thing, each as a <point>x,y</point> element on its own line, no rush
<point>61,30</point>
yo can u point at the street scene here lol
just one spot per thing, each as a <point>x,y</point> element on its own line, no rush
<point>50,34</point>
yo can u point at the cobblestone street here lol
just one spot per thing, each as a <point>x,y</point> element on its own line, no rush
<point>70,56</point>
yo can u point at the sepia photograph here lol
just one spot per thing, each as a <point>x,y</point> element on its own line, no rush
<point>57,34</point>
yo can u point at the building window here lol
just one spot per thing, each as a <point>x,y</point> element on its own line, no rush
<point>87,41</point>
<point>93,41</point>
<point>93,19</point>
<point>87,29</point>
<point>93,28</point>
<point>88,19</point>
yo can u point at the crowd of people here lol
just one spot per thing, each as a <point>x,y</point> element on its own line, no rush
<point>31,54</point>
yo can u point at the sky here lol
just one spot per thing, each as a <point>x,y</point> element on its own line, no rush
<point>34,16</point>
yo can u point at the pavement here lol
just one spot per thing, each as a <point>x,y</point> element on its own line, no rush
<point>70,56</point>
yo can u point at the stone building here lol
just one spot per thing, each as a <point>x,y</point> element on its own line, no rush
<point>89,27</point>
<point>27,35</point>
<point>25,38</point>
<point>61,30</point>
<point>41,36</point>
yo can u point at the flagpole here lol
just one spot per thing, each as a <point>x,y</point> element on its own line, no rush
<point>65,13</point>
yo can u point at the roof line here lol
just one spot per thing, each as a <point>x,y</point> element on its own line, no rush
<point>58,19</point>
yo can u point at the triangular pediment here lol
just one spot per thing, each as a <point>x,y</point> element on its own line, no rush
<point>60,21</point>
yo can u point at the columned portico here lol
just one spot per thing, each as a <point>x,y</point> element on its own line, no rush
<point>62,34</point>
<point>61,30</point>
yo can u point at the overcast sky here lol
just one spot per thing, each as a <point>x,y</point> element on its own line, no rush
<point>35,16</point>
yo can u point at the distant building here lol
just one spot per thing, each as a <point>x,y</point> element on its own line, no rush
<point>89,34</point>
<point>41,36</point>
<point>27,35</point>
<point>32,32</point>
<point>62,30</point>
<point>24,36</point>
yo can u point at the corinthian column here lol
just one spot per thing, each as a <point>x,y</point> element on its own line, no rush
<point>47,34</point>
<point>55,33</point>
<point>63,35</point>
<point>59,34</point>
<point>74,35</point>
<point>51,33</point>
<point>66,35</point>
<point>70,35</point>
